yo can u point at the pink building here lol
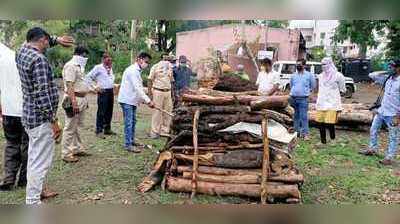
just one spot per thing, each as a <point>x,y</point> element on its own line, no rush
<point>289,44</point>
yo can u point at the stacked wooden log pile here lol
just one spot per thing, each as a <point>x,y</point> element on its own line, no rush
<point>204,156</point>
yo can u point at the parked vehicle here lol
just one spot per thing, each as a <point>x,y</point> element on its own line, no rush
<point>287,68</point>
<point>356,68</point>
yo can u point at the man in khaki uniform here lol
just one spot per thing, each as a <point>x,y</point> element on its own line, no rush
<point>160,84</point>
<point>75,93</point>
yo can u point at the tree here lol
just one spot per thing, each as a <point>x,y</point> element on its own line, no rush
<point>360,32</point>
<point>393,47</point>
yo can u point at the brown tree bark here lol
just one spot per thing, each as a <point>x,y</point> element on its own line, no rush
<point>276,190</point>
<point>243,177</point>
<point>271,102</point>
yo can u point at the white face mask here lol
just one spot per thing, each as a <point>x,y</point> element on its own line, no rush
<point>81,61</point>
<point>325,68</point>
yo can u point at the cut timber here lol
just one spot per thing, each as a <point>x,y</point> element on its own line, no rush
<point>220,100</point>
<point>224,93</point>
<point>356,117</point>
<point>270,102</point>
<point>196,153</point>
<point>232,179</point>
<point>216,147</point>
<point>212,109</point>
<point>243,177</point>
<point>155,176</point>
<point>265,169</point>
<point>275,190</point>
<point>232,159</point>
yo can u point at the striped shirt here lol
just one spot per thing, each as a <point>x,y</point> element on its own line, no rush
<point>39,90</point>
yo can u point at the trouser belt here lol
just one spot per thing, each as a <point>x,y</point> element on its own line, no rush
<point>162,90</point>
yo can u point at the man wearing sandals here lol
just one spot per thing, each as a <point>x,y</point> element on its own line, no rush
<point>388,113</point>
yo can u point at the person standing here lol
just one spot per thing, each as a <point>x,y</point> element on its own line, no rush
<point>302,83</point>
<point>267,80</point>
<point>131,95</point>
<point>16,149</point>
<point>75,89</point>
<point>39,108</point>
<point>103,75</point>
<point>159,86</point>
<point>182,75</point>
<point>388,112</point>
<point>330,84</point>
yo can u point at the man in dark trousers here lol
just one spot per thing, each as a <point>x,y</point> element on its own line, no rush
<point>182,76</point>
<point>16,150</point>
<point>104,77</point>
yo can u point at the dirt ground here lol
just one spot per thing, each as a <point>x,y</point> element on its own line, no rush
<point>366,93</point>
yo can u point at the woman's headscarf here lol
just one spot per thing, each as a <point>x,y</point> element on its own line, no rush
<point>329,70</point>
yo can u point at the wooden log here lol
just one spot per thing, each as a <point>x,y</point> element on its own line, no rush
<point>356,117</point>
<point>217,147</point>
<point>220,100</point>
<point>196,153</point>
<point>276,190</point>
<point>265,163</point>
<point>271,102</point>
<point>219,171</point>
<point>213,92</point>
<point>232,179</point>
<point>156,174</point>
<point>211,110</point>
<point>232,159</point>
<point>237,176</point>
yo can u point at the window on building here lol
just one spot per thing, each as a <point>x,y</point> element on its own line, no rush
<point>322,35</point>
<point>309,38</point>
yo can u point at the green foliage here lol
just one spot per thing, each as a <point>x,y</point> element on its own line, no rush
<point>359,32</point>
<point>377,62</point>
<point>393,36</point>
<point>318,53</point>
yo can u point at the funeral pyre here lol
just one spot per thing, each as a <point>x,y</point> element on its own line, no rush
<point>234,144</point>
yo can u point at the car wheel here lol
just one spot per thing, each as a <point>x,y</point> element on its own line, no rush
<point>349,92</point>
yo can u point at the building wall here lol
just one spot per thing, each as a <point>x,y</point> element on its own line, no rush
<point>196,44</point>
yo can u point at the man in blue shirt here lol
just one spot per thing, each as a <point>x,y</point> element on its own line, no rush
<point>302,84</point>
<point>388,113</point>
<point>182,75</point>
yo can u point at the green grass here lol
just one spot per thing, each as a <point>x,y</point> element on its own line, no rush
<point>335,174</point>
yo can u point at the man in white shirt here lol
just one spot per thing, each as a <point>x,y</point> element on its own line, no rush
<point>104,77</point>
<point>267,80</point>
<point>131,95</point>
<point>16,151</point>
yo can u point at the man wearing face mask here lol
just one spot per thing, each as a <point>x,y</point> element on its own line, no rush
<point>330,84</point>
<point>182,75</point>
<point>302,83</point>
<point>39,108</point>
<point>388,113</point>
<point>130,96</point>
<point>75,92</point>
<point>103,75</point>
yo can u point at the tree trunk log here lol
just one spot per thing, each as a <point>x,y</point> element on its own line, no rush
<point>233,159</point>
<point>276,190</point>
<point>271,102</point>
<point>223,175</point>
<point>356,117</point>
<point>220,100</point>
